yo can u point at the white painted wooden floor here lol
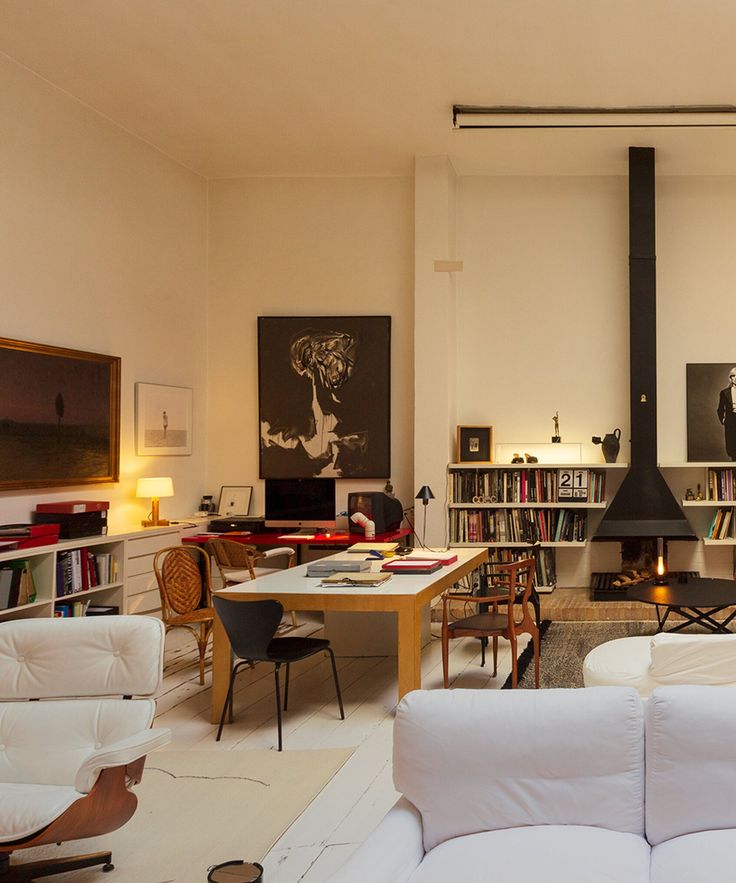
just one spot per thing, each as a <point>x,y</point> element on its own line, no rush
<point>353,803</point>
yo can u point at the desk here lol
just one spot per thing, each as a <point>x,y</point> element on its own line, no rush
<point>696,600</point>
<point>276,538</point>
<point>403,594</point>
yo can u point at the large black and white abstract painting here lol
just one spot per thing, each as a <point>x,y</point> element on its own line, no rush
<point>711,412</point>
<point>324,390</point>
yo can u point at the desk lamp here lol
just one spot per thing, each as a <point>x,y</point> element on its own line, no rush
<point>425,495</point>
<point>155,488</point>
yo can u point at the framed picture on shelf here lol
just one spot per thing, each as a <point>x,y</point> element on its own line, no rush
<point>163,420</point>
<point>234,500</point>
<point>711,418</point>
<point>60,416</point>
<point>474,444</point>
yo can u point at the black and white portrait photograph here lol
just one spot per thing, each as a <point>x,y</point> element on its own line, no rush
<point>711,412</point>
<point>324,387</point>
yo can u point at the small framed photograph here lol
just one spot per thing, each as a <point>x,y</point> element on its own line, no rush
<point>474,444</point>
<point>234,500</point>
<point>163,416</point>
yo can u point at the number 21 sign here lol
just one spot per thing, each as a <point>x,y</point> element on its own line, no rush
<point>572,484</point>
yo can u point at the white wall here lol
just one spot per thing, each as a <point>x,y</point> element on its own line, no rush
<point>102,248</point>
<point>304,246</point>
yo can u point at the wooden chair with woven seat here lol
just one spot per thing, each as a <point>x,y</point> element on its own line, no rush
<point>239,562</point>
<point>513,579</point>
<point>183,576</point>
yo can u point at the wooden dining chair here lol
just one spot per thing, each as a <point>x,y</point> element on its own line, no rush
<point>500,619</point>
<point>183,577</point>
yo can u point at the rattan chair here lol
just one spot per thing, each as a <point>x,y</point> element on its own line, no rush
<point>183,576</point>
<point>514,579</point>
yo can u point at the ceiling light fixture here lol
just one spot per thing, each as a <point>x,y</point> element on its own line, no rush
<point>469,116</point>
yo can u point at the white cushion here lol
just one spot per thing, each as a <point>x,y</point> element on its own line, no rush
<point>690,761</point>
<point>573,854</point>
<point>694,659</point>
<point>81,656</point>
<point>707,855</point>
<point>623,662</point>
<point>480,760</point>
<point>46,743</point>
<point>25,809</point>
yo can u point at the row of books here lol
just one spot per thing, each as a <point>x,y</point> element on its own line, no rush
<point>721,483</point>
<point>546,574</point>
<point>84,608</point>
<point>80,569</point>
<point>528,486</point>
<point>16,585</point>
<point>517,525</point>
<point>720,526</point>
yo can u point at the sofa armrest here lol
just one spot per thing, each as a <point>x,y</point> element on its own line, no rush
<point>392,852</point>
<point>121,753</point>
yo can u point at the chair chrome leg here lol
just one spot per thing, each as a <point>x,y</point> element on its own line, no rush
<point>276,668</point>
<point>229,698</point>
<point>286,686</point>
<point>483,642</point>
<point>337,683</point>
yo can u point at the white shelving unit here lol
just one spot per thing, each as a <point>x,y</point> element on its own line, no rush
<point>690,475</point>
<point>134,589</point>
<point>556,504</point>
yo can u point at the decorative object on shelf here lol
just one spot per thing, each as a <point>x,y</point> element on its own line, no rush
<point>60,420</point>
<point>610,444</point>
<point>155,488</point>
<point>689,495</point>
<point>556,438</point>
<point>425,495</point>
<point>206,506</point>
<point>556,453</point>
<point>530,458</point>
<point>234,500</point>
<point>474,444</point>
<point>699,494</point>
<point>711,412</point>
<point>517,458</point>
<point>324,387</point>
<point>163,418</point>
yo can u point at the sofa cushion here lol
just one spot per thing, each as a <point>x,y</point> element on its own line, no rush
<point>25,809</point>
<point>693,659</point>
<point>691,761</point>
<point>575,854</point>
<point>623,662</point>
<point>481,760</point>
<point>707,855</point>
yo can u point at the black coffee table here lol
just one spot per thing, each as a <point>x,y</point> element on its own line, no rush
<point>696,599</point>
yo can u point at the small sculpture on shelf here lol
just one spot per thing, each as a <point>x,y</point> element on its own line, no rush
<point>689,495</point>
<point>699,494</point>
<point>556,438</point>
<point>517,458</point>
<point>530,458</point>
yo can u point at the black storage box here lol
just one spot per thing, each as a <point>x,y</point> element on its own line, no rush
<point>75,524</point>
<point>253,523</point>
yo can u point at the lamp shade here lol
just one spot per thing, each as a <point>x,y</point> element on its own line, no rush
<point>155,487</point>
<point>425,494</point>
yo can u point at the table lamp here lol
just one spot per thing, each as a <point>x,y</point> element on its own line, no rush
<point>425,495</point>
<point>155,488</point>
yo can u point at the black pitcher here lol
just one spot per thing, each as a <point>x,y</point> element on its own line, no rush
<point>610,443</point>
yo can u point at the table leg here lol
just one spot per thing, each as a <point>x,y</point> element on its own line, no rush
<point>409,649</point>
<point>222,661</point>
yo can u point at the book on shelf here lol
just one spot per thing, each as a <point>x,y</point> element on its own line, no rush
<point>517,525</point>
<point>539,485</point>
<point>720,484</point>
<point>720,526</point>
<point>16,584</point>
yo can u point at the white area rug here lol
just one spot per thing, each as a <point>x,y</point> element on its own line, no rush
<point>199,808</point>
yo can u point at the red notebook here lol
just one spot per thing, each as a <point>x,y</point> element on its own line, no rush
<point>411,565</point>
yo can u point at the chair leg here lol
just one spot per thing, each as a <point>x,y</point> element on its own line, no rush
<point>514,666</point>
<point>445,656</point>
<point>276,668</point>
<point>293,619</point>
<point>228,702</point>
<point>536,604</point>
<point>337,683</point>
<point>202,647</point>
<point>286,686</point>
<point>535,639</point>
<point>495,655</point>
<point>483,644</point>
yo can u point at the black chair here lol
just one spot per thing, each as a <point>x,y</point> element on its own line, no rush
<point>251,626</point>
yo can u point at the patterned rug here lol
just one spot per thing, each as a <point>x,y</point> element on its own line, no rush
<point>565,645</point>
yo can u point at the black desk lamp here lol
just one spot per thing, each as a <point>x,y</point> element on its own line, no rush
<point>425,495</point>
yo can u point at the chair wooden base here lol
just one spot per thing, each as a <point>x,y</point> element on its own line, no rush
<point>52,867</point>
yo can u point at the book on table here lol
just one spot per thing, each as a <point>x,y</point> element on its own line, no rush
<point>411,565</point>
<point>355,578</point>
<point>373,547</point>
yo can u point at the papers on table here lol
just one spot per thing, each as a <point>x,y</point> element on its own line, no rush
<point>370,547</point>
<point>354,578</point>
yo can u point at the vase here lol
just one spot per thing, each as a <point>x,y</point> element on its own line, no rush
<point>611,445</point>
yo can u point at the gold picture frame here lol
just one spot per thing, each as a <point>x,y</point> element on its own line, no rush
<point>474,444</point>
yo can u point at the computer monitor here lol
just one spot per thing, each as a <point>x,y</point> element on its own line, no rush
<point>300,502</point>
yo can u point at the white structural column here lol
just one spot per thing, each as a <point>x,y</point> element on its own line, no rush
<point>434,337</point>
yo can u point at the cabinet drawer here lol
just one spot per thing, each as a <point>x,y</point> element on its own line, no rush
<point>146,602</point>
<point>137,546</point>
<point>139,565</point>
<point>143,582</point>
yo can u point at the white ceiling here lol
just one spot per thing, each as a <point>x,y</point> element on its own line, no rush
<point>360,87</point>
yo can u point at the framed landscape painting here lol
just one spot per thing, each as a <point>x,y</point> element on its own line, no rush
<point>163,417</point>
<point>711,412</point>
<point>59,416</point>
<point>324,396</point>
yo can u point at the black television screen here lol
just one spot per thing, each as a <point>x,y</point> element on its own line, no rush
<point>300,502</point>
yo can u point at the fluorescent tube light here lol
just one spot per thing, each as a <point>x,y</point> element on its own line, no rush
<point>465,116</point>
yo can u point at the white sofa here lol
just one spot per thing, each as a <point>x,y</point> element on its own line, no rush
<point>554,785</point>
<point>646,662</point>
